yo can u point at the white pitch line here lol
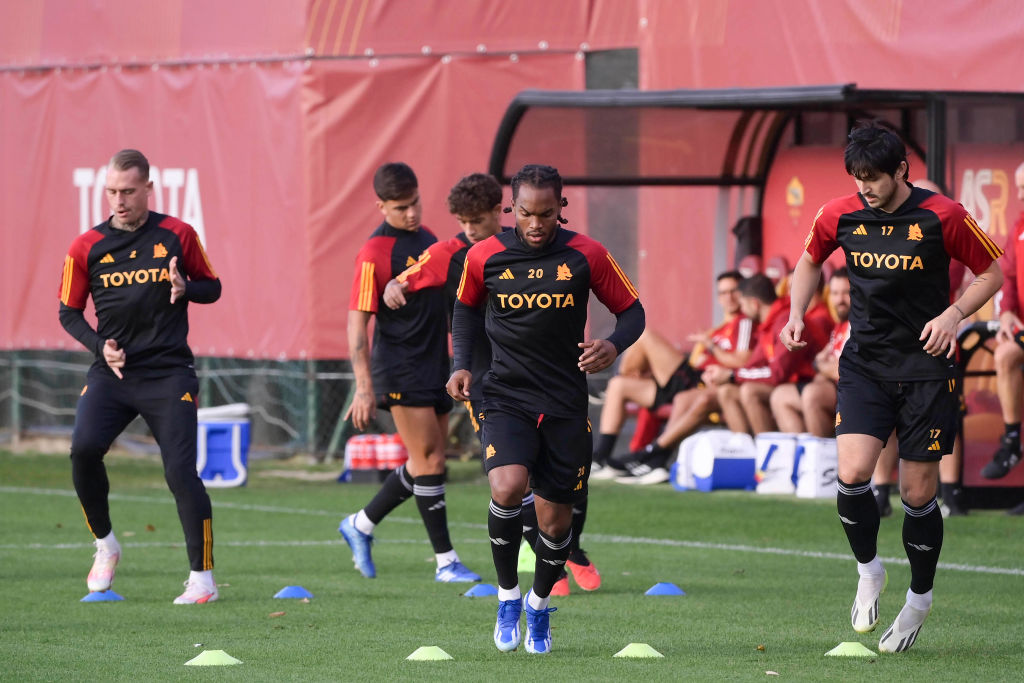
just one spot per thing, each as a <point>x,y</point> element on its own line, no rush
<point>597,538</point>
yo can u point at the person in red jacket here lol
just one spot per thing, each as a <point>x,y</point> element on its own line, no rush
<point>1009,354</point>
<point>744,393</point>
<point>811,407</point>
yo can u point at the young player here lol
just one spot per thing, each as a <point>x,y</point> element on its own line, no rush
<point>405,376</point>
<point>896,369</point>
<point>527,290</point>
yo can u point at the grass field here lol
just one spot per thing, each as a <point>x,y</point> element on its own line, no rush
<point>769,583</point>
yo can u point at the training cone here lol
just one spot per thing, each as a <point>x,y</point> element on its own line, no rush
<point>665,589</point>
<point>638,650</point>
<point>481,590</point>
<point>293,592</point>
<point>213,658</point>
<point>849,649</point>
<point>429,653</point>
<point>526,558</point>
<point>102,596</point>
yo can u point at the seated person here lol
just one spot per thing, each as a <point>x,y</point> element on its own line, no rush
<point>652,371</point>
<point>692,408</point>
<point>811,407</point>
<point>1009,353</point>
<point>743,393</point>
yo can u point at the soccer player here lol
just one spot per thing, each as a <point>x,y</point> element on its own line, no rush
<point>141,269</point>
<point>896,370</point>
<point>406,375</point>
<point>1009,354</point>
<point>475,201</point>
<point>527,290</point>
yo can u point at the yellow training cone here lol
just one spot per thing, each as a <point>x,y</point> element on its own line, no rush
<point>638,650</point>
<point>213,658</point>
<point>849,649</point>
<point>429,653</point>
<point>527,559</point>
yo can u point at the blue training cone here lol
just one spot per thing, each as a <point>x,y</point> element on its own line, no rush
<point>481,590</point>
<point>665,589</point>
<point>102,596</point>
<point>293,592</point>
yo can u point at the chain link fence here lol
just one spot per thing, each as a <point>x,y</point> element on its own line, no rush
<point>297,407</point>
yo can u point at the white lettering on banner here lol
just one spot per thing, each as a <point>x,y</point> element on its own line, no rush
<point>988,209</point>
<point>169,183</point>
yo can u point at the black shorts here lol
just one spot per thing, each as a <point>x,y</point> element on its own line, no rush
<point>923,413</point>
<point>439,400</point>
<point>685,377</point>
<point>556,451</point>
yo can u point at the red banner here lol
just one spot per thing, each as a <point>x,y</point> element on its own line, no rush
<point>438,116</point>
<point>226,149</point>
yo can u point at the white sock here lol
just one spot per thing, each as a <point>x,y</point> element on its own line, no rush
<point>363,523</point>
<point>445,559</point>
<point>509,593</point>
<point>537,603</point>
<point>110,543</point>
<point>873,568</point>
<point>921,601</point>
<point>205,577</point>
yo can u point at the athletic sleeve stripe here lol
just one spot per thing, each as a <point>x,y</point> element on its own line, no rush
<point>206,259</point>
<point>991,247</point>
<point>623,277</point>
<point>414,268</point>
<point>743,338</point>
<point>65,287</point>
<point>462,280</point>
<point>366,286</point>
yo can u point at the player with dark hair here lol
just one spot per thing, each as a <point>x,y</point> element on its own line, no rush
<point>895,371</point>
<point>141,269</point>
<point>527,290</point>
<point>475,201</point>
<point>406,375</point>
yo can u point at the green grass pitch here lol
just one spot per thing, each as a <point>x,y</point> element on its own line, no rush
<point>768,580</point>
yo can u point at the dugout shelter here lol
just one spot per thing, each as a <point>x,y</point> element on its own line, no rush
<point>758,162</point>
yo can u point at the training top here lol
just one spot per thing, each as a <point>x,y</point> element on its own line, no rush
<point>771,362</point>
<point>410,345</point>
<point>127,275</point>
<point>732,335</point>
<point>1012,293</point>
<point>441,266</point>
<point>899,276</point>
<point>536,312</point>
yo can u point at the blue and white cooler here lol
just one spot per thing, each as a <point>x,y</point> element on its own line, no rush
<point>723,460</point>
<point>222,445</point>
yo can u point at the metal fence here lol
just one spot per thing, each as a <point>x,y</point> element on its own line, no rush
<point>297,406</point>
